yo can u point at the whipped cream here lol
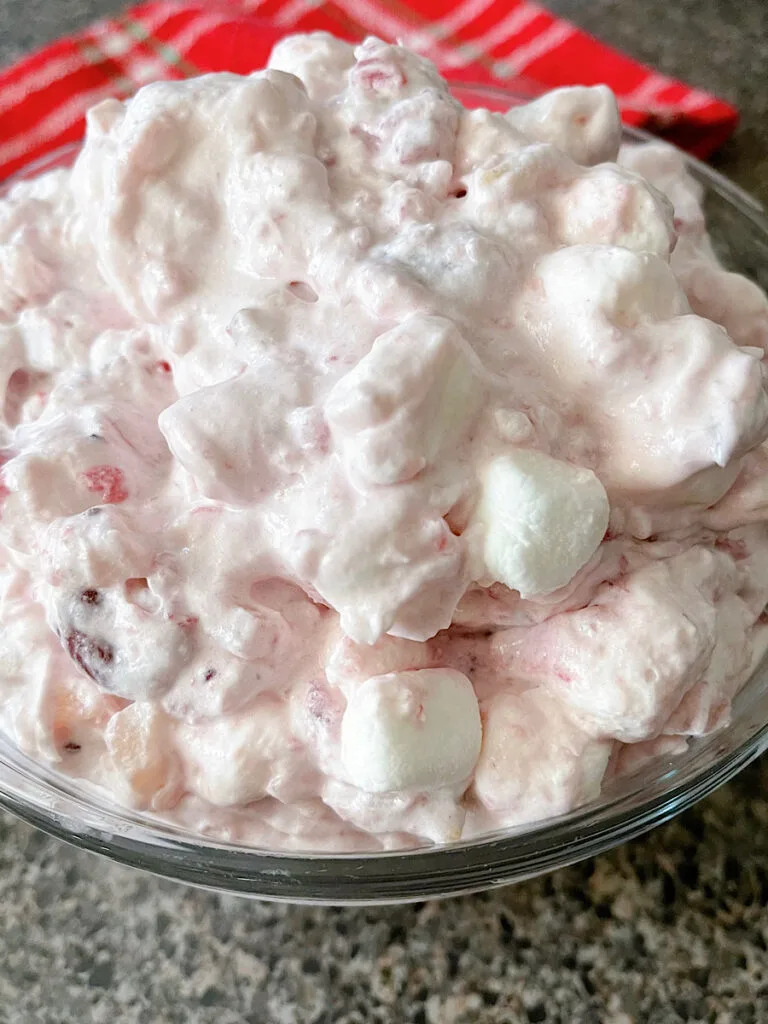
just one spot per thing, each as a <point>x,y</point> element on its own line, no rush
<point>374,471</point>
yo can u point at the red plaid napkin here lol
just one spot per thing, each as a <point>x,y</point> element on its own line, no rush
<point>43,97</point>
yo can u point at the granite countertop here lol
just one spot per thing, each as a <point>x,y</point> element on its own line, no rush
<point>670,928</point>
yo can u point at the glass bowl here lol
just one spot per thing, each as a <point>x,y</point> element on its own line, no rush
<point>85,817</point>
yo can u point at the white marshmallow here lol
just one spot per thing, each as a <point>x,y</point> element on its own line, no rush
<point>611,206</point>
<point>540,519</point>
<point>412,397</point>
<point>415,730</point>
<point>318,59</point>
<point>512,425</point>
<point>234,760</point>
<point>536,759</point>
<point>581,120</point>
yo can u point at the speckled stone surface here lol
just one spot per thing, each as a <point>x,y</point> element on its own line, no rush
<point>671,928</point>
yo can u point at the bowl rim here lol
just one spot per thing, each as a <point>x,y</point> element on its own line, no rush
<point>81,815</point>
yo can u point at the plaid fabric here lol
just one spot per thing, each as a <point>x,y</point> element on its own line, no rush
<point>43,98</point>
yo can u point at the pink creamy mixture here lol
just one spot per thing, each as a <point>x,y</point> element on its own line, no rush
<point>374,471</point>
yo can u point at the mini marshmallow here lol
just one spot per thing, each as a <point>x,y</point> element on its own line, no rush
<point>317,59</point>
<point>583,121</point>
<point>536,760</point>
<point>416,730</point>
<point>540,520</point>
<point>608,205</point>
<point>234,760</point>
<point>410,398</point>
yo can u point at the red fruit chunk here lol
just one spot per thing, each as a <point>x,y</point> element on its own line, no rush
<point>93,656</point>
<point>108,481</point>
<point>379,76</point>
<point>734,547</point>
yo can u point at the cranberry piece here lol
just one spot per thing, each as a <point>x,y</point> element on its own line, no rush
<point>108,481</point>
<point>93,656</point>
<point>734,547</point>
<point>302,291</point>
<point>90,596</point>
<point>376,76</point>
